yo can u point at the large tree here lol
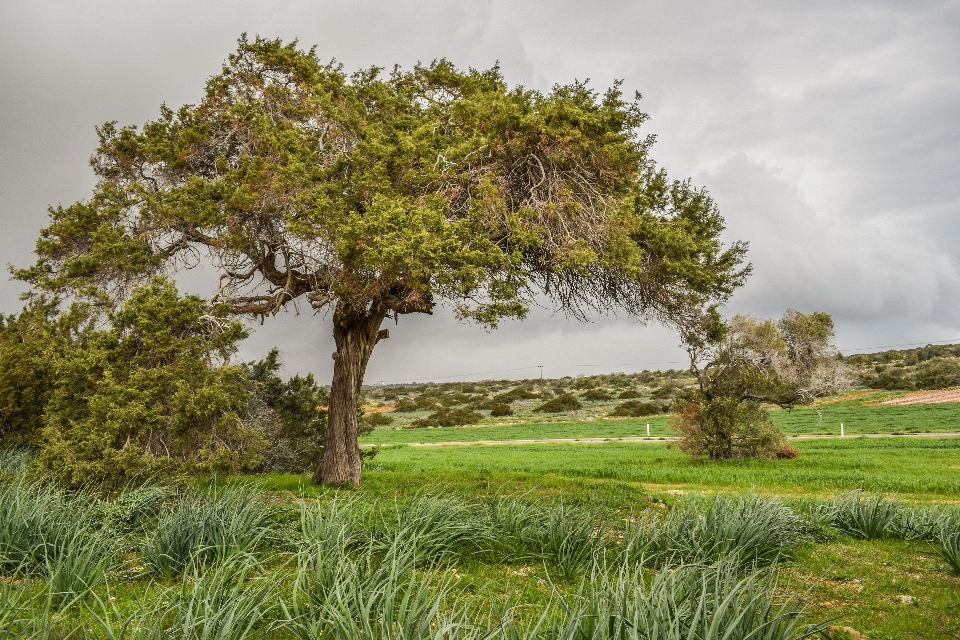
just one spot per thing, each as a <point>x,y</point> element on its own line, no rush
<point>376,195</point>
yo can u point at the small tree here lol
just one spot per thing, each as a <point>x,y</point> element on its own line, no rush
<point>152,392</point>
<point>374,197</point>
<point>744,364</point>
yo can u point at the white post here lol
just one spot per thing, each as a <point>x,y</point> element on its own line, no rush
<point>841,429</point>
<point>648,428</point>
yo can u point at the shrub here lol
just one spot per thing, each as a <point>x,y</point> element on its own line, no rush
<point>564,402</point>
<point>517,393</point>
<point>949,543</point>
<point>629,394</point>
<point>153,393</point>
<point>405,405</point>
<point>597,395</point>
<point>939,374</point>
<point>291,415</point>
<point>499,410</point>
<point>723,428</point>
<point>635,409</point>
<point>449,418</point>
<point>208,527</point>
<point>377,418</point>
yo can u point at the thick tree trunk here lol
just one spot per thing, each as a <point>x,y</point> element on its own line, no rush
<point>356,334</point>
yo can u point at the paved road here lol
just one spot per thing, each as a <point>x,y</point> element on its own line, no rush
<point>660,440</point>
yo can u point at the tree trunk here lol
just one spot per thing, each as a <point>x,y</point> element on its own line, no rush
<point>356,334</point>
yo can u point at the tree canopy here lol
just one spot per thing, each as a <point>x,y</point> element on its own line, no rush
<point>379,194</point>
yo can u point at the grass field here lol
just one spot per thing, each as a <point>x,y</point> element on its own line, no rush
<point>522,533</point>
<point>856,417</point>
<point>921,469</point>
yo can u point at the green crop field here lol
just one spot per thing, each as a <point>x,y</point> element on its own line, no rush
<point>857,418</point>
<point>914,468</point>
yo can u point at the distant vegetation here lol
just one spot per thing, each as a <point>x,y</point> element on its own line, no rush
<point>930,367</point>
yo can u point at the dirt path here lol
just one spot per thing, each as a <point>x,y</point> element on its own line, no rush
<point>656,440</point>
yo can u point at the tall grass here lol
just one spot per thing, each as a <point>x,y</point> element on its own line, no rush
<point>685,603</point>
<point>948,542</point>
<point>435,527</point>
<point>373,598</point>
<point>755,531</point>
<point>47,532</point>
<point>861,515</point>
<point>207,527</point>
<point>230,601</point>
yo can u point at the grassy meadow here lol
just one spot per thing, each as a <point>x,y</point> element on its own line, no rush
<point>858,537</point>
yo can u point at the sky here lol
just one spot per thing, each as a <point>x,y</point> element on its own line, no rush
<point>827,132</point>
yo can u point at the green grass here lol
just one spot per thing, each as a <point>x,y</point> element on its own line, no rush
<point>927,468</point>
<point>525,431</point>
<point>856,418</point>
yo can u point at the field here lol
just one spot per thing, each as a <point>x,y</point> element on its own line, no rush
<point>858,416</point>
<point>539,554</point>
<point>857,537</point>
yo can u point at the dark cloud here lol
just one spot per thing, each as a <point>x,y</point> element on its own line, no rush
<point>826,131</point>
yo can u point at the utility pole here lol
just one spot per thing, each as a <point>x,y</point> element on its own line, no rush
<point>540,366</point>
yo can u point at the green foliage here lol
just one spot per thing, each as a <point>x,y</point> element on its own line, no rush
<point>517,393</point>
<point>291,415</point>
<point>30,345</point>
<point>596,395</point>
<point>861,515</point>
<point>152,393</point>
<point>629,394</point>
<point>499,410</point>
<point>949,543</point>
<point>939,374</point>
<point>747,531</point>
<point>207,527</point>
<point>636,409</point>
<point>405,405</point>
<point>563,402</point>
<point>723,428</point>
<point>449,418</point>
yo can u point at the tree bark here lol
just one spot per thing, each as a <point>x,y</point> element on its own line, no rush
<point>356,333</point>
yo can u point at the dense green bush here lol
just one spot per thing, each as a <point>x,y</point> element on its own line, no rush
<point>939,374</point>
<point>636,409</point>
<point>629,394</point>
<point>564,402</point>
<point>517,393</point>
<point>597,395</point>
<point>449,418</point>
<point>499,410</point>
<point>154,392</point>
<point>722,428</point>
<point>405,405</point>
<point>291,415</point>
<point>30,345</point>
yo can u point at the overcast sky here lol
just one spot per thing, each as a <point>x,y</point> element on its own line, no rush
<point>827,132</point>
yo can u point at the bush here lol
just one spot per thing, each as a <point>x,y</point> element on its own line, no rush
<point>152,393</point>
<point>748,531</point>
<point>629,394</point>
<point>565,402</point>
<point>291,415</point>
<point>377,419</point>
<point>499,410</point>
<point>405,405</point>
<point>517,393</point>
<point>597,395</point>
<point>723,428</point>
<point>449,418</point>
<point>635,409</point>
<point>939,375</point>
